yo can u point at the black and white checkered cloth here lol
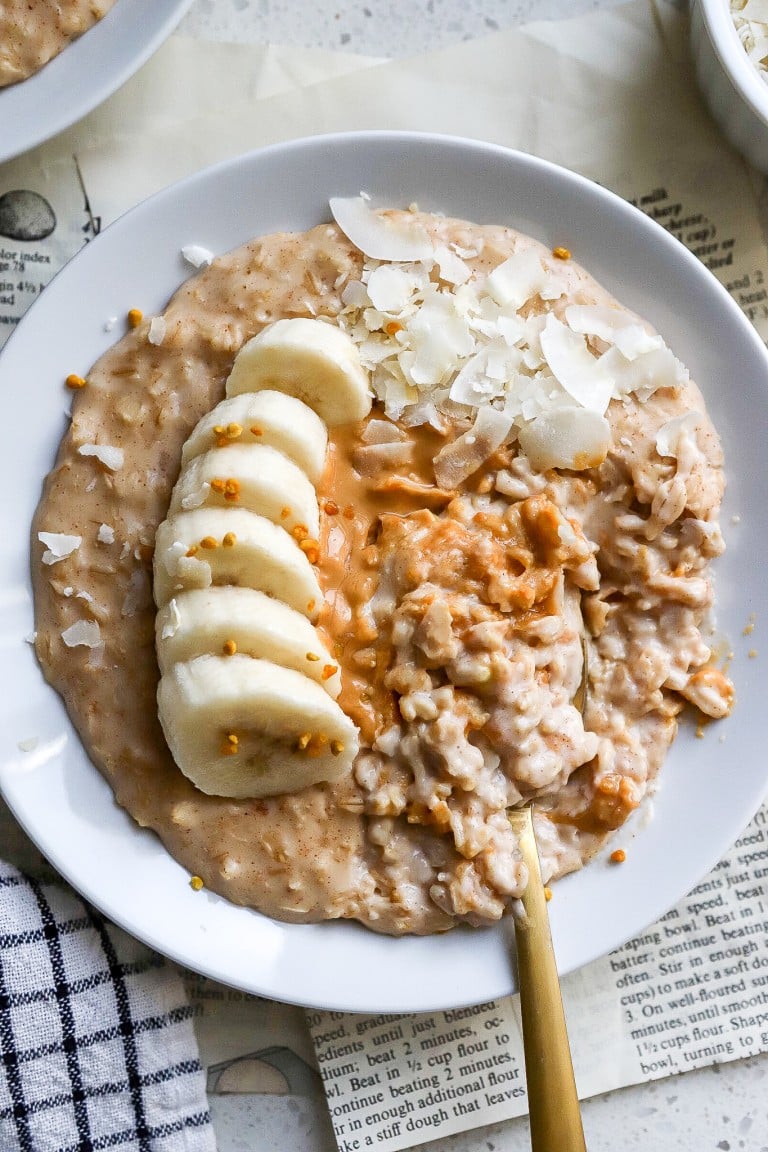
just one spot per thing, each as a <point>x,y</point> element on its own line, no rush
<point>97,1049</point>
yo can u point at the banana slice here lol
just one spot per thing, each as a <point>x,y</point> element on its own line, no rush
<point>242,727</point>
<point>216,621</point>
<point>251,476</point>
<point>233,546</point>
<point>309,359</point>
<point>267,417</point>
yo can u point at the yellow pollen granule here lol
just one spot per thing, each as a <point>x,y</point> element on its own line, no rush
<point>311,549</point>
<point>74,381</point>
<point>561,253</point>
<point>135,317</point>
<point>303,741</point>
<point>229,648</point>
<point>619,856</point>
<point>312,656</point>
<point>196,883</point>
<point>229,539</point>
<point>547,894</point>
<point>337,747</point>
<point>209,542</point>
<point>234,430</point>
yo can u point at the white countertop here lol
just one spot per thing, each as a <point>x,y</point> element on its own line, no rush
<point>723,1107</point>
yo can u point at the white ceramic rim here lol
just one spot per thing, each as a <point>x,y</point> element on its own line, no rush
<point>61,79</point>
<point>625,235</point>
<point>716,15</point>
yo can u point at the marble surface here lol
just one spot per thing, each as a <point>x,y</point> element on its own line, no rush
<point>376,28</point>
<point>721,1108</point>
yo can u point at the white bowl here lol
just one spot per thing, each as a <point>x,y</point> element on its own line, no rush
<point>709,789</point>
<point>734,90</point>
<point>85,73</point>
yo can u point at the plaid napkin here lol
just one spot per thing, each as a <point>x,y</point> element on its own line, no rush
<point>97,1049</point>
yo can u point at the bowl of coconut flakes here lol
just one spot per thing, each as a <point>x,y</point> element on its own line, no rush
<point>729,41</point>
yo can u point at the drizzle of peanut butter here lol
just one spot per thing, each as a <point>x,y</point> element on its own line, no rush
<point>368,514</point>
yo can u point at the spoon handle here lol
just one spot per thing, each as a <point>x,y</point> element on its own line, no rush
<point>552,1100</point>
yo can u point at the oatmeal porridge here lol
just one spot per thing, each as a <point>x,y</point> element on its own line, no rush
<point>476,568</point>
<point>32,32</point>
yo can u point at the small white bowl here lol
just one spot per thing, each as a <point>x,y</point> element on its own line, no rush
<point>733,88</point>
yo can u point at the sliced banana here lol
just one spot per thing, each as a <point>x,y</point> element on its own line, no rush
<point>251,476</point>
<point>309,359</point>
<point>272,418</point>
<point>243,727</point>
<point>229,621</point>
<point>232,546</point>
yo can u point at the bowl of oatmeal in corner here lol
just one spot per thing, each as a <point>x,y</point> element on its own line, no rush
<point>381,515</point>
<point>730,54</point>
<point>58,61</point>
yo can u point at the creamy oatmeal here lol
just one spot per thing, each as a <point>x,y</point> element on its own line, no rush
<point>32,32</point>
<point>512,553</point>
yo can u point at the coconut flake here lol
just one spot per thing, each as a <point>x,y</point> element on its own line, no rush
<point>669,435</point>
<point>440,338</point>
<point>573,438</point>
<point>658,368</point>
<point>173,555</point>
<point>196,499</point>
<point>452,268</point>
<point>355,295</point>
<point>105,534</point>
<point>377,236</point>
<point>382,432</point>
<point>171,626</point>
<point>109,323</point>
<point>390,288</point>
<point>157,330</point>
<point>85,633</point>
<point>464,455</point>
<point>196,255</point>
<point>58,546</point>
<point>521,277</point>
<point>109,456</point>
<point>613,325</point>
<point>30,637</point>
<point>28,745</point>
<point>582,375</point>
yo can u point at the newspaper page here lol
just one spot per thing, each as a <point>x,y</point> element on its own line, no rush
<point>634,1015</point>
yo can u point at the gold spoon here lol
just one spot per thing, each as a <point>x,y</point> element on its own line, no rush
<point>553,1104</point>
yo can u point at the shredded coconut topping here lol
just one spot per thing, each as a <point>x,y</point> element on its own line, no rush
<point>196,255</point>
<point>84,633</point>
<point>105,534</point>
<point>58,546</point>
<point>440,339</point>
<point>109,456</point>
<point>157,330</point>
